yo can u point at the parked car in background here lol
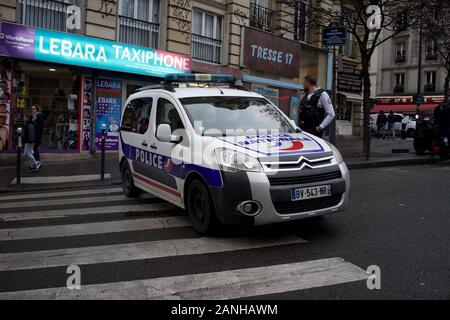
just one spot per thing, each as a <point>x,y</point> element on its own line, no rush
<point>410,126</point>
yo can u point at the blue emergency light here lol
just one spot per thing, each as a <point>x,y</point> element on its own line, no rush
<point>208,78</point>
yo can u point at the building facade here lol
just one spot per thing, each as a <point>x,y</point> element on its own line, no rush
<point>79,60</point>
<point>395,74</point>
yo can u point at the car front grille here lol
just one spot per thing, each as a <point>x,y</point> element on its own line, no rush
<point>280,181</point>
<point>307,205</point>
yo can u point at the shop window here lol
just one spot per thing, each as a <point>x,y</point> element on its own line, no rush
<point>167,113</point>
<point>55,91</point>
<point>344,109</point>
<point>136,117</point>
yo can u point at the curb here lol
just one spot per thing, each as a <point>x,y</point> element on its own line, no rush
<point>387,163</point>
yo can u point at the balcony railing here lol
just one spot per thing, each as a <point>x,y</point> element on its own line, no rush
<point>399,88</point>
<point>138,32</point>
<point>430,56</point>
<point>400,59</point>
<point>45,13</point>
<point>261,17</point>
<point>206,49</point>
<point>429,87</point>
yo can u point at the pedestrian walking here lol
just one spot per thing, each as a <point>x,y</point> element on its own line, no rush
<point>316,110</point>
<point>381,124</point>
<point>29,139</point>
<point>38,119</point>
<point>391,125</point>
<point>405,121</point>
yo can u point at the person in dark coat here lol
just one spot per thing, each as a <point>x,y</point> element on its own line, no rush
<point>381,124</point>
<point>29,140</point>
<point>38,119</point>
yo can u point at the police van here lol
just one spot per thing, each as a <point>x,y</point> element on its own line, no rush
<point>227,155</point>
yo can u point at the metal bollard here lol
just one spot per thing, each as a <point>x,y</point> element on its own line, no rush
<point>102,166</point>
<point>19,154</point>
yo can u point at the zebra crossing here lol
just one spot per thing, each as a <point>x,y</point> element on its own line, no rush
<point>143,249</point>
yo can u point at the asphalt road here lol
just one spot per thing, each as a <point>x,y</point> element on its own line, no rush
<point>398,219</point>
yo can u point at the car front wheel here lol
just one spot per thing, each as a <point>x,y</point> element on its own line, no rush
<point>128,186</point>
<point>201,209</point>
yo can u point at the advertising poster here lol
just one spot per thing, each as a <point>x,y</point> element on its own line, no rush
<point>108,110</point>
<point>5,103</point>
<point>87,112</point>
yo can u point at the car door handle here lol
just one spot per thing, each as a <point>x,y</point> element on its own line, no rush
<point>144,144</point>
<point>153,146</point>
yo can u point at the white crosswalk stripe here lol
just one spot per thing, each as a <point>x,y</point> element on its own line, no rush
<point>93,228</point>
<point>114,246</point>
<point>134,251</point>
<point>59,194</point>
<point>232,284</point>
<point>67,201</point>
<point>61,213</point>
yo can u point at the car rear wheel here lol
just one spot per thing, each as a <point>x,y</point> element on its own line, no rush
<point>201,209</point>
<point>128,186</point>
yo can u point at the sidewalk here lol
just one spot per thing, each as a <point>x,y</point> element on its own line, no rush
<point>63,173</point>
<point>85,172</point>
<point>383,152</point>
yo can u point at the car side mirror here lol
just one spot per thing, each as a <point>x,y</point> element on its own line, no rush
<point>164,134</point>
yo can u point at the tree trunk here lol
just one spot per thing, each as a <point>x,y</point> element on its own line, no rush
<point>446,86</point>
<point>366,107</point>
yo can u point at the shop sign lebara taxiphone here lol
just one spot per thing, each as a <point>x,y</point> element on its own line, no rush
<point>51,46</point>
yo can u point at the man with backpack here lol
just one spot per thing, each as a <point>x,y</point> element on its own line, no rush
<point>316,109</point>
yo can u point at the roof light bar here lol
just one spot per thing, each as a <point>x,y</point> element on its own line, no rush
<point>209,78</point>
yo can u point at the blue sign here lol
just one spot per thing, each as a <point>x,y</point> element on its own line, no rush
<point>334,36</point>
<point>418,99</point>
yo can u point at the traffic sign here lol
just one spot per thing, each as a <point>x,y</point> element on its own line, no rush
<point>418,99</point>
<point>334,36</point>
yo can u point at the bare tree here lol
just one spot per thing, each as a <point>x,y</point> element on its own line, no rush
<point>436,27</point>
<point>393,16</point>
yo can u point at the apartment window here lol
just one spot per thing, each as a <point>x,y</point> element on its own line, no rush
<point>430,50</point>
<point>261,16</point>
<point>347,49</point>
<point>430,81</point>
<point>301,20</point>
<point>400,52</point>
<point>206,36</point>
<point>138,22</point>
<point>45,13</point>
<point>402,23</point>
<point>399,79</point>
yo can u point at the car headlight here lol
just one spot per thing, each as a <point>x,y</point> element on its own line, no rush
<point>336,153</point>
<point>233,161</point>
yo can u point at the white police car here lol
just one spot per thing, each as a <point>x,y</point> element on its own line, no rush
<point>226,155</point>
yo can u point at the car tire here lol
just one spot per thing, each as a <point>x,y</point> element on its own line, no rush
<point>129,189</point>
<point>201,209</point>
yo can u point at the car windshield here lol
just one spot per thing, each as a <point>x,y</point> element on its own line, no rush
<point>229,115</point>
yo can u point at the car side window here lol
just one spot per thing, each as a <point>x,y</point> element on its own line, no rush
<point>398,118</point>
<point>167,113</point>
<point>136,116</point>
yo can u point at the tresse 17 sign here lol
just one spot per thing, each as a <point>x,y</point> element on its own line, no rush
<point>45,45</point>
